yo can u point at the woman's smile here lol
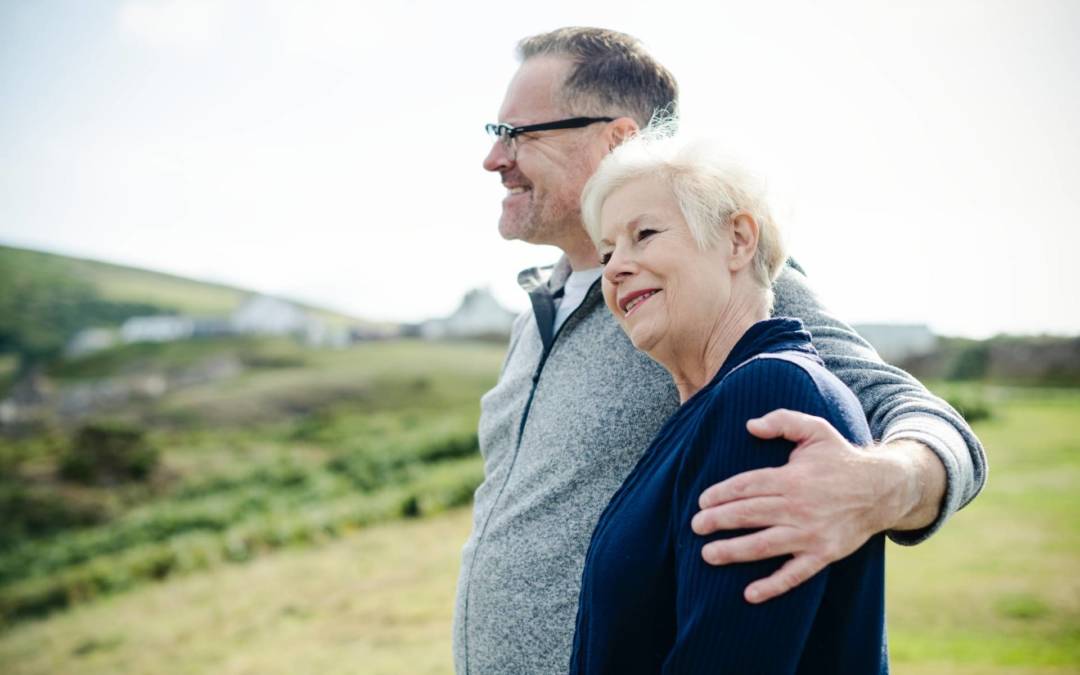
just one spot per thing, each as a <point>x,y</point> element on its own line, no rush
<point>634,300</point>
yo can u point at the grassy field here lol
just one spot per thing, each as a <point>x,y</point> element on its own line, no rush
<point>996,592</point>
<point>295,448</point>
<point>376,602</point>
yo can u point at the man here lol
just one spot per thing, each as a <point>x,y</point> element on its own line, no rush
<point>576,405</point>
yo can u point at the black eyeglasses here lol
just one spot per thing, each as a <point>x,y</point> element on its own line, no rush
<point>507,133</point>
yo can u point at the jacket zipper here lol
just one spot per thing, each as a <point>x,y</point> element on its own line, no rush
<point>513,462</point>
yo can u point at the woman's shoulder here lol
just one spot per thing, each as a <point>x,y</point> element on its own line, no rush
<point>765,373</point>
<point>790,367</point>
<point>792,380</point>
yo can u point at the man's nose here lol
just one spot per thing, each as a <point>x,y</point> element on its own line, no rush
<point>498,158</point>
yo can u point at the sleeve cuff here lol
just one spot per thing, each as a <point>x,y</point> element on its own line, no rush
<point>946,443</point>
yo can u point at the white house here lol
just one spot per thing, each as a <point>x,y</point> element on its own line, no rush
<point>895,342</point>
<point>321,334</point>
<point>90,340</point>
<point>265,315</point>
<point>479,315</point>
<point>156,329</point>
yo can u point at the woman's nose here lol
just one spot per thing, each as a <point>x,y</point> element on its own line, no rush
<point>619,266</point>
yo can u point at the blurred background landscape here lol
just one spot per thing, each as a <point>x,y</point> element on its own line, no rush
<point>251,291</point>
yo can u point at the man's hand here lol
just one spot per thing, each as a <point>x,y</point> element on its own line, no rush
<point>819,507</point>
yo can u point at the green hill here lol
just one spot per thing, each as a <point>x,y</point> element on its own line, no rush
<point>48,298</point>
<point>122,284</point>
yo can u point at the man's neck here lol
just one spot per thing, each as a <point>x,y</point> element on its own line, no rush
<point>581,253</point>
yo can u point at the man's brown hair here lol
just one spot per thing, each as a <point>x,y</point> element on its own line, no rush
<point>612,74</point>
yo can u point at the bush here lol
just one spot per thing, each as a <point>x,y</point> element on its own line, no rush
<point>105,453</point>
<point>81,578</point>
<point>410,508</point>
<point>30,512</point>
<point>972,363</point>
<point>973,407</point>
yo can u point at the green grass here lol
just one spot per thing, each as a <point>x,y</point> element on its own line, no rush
<point>996,592</point>
<point>128,284</point>
<point>83,571</point>
<point>998,587</point>
<point>165,357</point>
<point>377,601</point>
<point>187,296</point>
<point>302,446</point>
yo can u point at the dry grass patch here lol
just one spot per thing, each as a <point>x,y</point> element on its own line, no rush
<point>379,601</point>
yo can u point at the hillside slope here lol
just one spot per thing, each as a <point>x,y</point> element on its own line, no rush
<point>122,284</point>
<point>47,298</point>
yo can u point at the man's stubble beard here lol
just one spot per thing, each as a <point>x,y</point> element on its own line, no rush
<point>550,220</point>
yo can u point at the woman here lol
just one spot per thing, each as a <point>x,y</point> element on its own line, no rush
<point>689,252</point>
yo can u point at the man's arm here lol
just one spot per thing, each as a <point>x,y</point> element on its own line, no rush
<point>928,465</point>
<point>897,406</point>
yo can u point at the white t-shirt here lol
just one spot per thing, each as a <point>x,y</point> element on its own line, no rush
<point>577,285</point>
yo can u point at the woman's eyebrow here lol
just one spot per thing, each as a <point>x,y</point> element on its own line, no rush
<point>642,221</point>
<point>631,225</point>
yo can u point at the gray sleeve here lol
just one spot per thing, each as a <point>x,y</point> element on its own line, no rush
<point>897,405</point>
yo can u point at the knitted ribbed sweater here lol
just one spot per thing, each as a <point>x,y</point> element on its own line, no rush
<point>649,602</point>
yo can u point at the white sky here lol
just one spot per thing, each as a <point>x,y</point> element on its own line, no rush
<point>925,155</point>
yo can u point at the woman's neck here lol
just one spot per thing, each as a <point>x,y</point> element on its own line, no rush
<point>695,363</point>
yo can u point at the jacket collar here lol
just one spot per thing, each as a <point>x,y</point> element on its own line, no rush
<point>552,276</point>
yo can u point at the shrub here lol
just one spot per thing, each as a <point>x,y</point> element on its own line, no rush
<point>30,512</point>
<point>971,363</point>
<point>75,576</point>
<point>410,508</point>
<point>972,406</point>
<point>106,453</point>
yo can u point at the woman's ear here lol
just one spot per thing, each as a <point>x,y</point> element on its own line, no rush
<point>744,232</point>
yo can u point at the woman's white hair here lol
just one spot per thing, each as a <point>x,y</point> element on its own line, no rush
<point>709,188</point>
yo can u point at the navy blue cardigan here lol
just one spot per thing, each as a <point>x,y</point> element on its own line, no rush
<point>650,604</point>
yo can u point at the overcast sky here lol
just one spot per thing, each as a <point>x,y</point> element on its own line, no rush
<point>924,156</point>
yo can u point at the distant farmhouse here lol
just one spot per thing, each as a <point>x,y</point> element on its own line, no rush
<point>264,315</point>
<point>157,329</point>
<point>896,342</point>
<point>257,315</point>
<point>479,316</point>
<point>90,340</point>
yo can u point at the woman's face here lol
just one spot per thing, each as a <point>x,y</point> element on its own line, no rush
<point>665,291</point>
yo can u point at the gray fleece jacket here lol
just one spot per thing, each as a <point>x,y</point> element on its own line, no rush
<point>568,420</point>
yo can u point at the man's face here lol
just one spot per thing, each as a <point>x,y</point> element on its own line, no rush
<point>545,178</point>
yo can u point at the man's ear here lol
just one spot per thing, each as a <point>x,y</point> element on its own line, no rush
<point>620,131</point>
<point>744,233</point>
